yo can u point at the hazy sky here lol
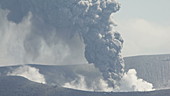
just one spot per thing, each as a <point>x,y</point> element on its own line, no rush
<point>145,26</point>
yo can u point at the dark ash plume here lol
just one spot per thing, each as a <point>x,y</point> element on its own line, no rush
<point>102,44</point>
<point>54,22</point>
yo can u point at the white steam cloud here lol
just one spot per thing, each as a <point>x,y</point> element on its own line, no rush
<point>28,72</point>
<point>129,82</point>
<point>25,42</point>
<point>11,38</point>
<point>80,84</point>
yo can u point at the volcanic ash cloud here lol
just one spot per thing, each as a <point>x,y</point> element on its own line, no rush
<point>102,43</point>
<point>88,18</point>
<point>47,34</point>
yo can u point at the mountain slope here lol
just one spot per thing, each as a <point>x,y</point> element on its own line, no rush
<point>19,86</point>
<point>153,68</point>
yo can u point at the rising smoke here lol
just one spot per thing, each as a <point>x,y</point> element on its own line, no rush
<point>51,31</point>
<point>129,82</point>
<point>32,40</point>
<point>80,83</point>
<point>102,44</point>
<point>11,39</point>
<point>28,72</point>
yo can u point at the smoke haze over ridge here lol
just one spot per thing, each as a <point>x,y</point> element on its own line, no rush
<point>28,72</point>
<point>51,27</point>
<point>30,39</point>
<point>53,32</point>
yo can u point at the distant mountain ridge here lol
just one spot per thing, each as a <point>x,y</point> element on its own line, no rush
<point>152,68</point>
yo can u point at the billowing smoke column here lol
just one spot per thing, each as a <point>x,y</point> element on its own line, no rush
<point>102,43</point>
<point>53,22</point>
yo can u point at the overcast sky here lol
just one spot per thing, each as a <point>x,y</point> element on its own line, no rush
<point>145,26</point>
